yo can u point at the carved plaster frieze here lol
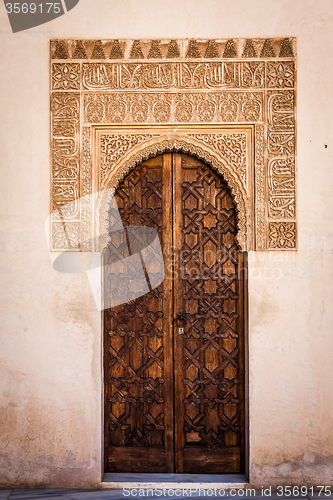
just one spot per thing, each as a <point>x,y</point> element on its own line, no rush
<point>232,98</point>
<point>215,107</point>
<point>208,75</point>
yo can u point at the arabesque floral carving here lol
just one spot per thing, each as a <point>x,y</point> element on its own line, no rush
<point>237,95</point>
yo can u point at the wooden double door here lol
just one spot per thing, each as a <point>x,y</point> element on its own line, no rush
<point>174,399</point>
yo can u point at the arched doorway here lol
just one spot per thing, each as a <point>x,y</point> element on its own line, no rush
<point>174,357</point>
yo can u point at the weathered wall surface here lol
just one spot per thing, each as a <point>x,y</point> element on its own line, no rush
<point>50,344</point>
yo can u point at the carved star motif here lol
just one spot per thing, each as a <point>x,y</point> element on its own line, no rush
<point>66,77</point>
<point>281,75</point>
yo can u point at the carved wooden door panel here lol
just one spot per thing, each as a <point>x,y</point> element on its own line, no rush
<point>174,402</point>
<point>209,423</point>
<point>138,337</point>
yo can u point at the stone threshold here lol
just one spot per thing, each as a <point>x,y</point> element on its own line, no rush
<point>173,481</point>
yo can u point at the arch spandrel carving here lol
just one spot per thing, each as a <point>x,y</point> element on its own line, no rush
<point>226,83</point>
<point>192,146</point>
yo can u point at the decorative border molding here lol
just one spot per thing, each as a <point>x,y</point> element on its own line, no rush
<point>210,90</point>
<point>255,48</point>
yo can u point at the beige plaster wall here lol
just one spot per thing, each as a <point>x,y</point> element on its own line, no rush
<point>50,362</point>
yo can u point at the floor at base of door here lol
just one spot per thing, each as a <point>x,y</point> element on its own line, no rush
<point>140,478</point>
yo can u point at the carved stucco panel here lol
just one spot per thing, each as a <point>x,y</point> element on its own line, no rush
<point>280,167</point>
<point>113,147</point>
<point>86,200</point>
<point>187,145</point>
<point>217,107</point>
<point>175,83</point>
<point>176,75</point>
<point>232,147</point>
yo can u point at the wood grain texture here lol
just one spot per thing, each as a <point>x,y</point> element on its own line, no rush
<point>178,399</point>
<point>209,384</point>
<point>138,363</point>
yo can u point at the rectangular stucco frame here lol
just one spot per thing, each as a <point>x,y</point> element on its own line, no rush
<point>205,93</point>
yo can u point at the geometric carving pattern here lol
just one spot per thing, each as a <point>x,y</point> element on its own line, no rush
<point>142,343</point>
<point>193,51</point>
<point>60,50</point>
<point>286,49</point>
<point>211,50</point>
<point>98,52</point>
<point>65,76</point>
<point>282,235</point>
<point>267,49</point>
<point>136,52</point>
<point>210,297</point>
<point>166,82</point>
<point>116,51</point>
<point>189,49</point>
<point>135,344</point>
<point>155,50</point>
<point>230,50</point>
<point>173,50</point>
<point>79,52</point>
<point>249,50</point>
<point>280,74</point>
<point>65,236</point>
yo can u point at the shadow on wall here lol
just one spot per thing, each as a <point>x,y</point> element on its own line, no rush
<point>135,260</point>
